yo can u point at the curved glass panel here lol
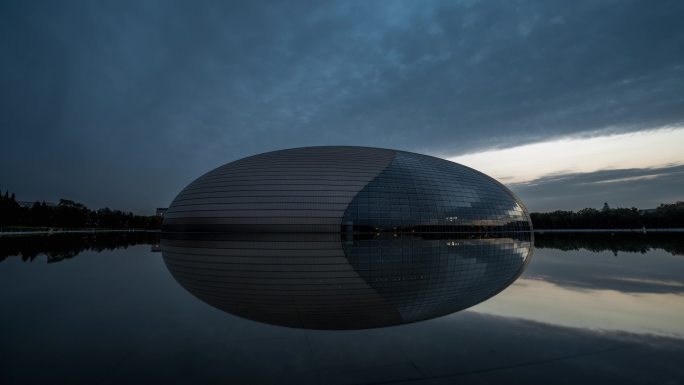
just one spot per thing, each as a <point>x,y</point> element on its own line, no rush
<point>418,193</point>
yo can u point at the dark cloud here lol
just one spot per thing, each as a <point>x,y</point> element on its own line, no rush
<point>642,188</point>
<point>122,103</point>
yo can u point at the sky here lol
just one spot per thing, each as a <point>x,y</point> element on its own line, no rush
<point>123,103</point>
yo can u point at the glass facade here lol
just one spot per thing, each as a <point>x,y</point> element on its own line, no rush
<point>426,194</point>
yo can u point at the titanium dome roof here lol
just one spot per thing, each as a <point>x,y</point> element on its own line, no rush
<point>333,189</point>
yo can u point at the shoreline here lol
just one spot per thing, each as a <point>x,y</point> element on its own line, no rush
<point>538,231</point>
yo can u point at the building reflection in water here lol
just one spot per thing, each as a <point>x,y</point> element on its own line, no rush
<point>326,281</point>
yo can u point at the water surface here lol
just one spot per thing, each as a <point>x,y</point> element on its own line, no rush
<point>606,309</point>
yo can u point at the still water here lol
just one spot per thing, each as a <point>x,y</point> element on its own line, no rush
<point>107,309</point>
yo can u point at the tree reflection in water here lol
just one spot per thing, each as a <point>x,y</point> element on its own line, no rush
<point>631,242</point>
<point>58,247</point>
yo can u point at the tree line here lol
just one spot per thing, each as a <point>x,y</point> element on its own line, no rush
<point>664,216</point>
<point>69,214</point>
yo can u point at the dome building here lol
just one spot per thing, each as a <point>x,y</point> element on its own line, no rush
<point>348,189</point>
<point>345,237</point>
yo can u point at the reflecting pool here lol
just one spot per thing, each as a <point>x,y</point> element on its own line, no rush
<point>110,309</point>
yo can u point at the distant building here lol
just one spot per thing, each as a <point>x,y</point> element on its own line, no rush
<point>161,211</point>
<point>28,204</point>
